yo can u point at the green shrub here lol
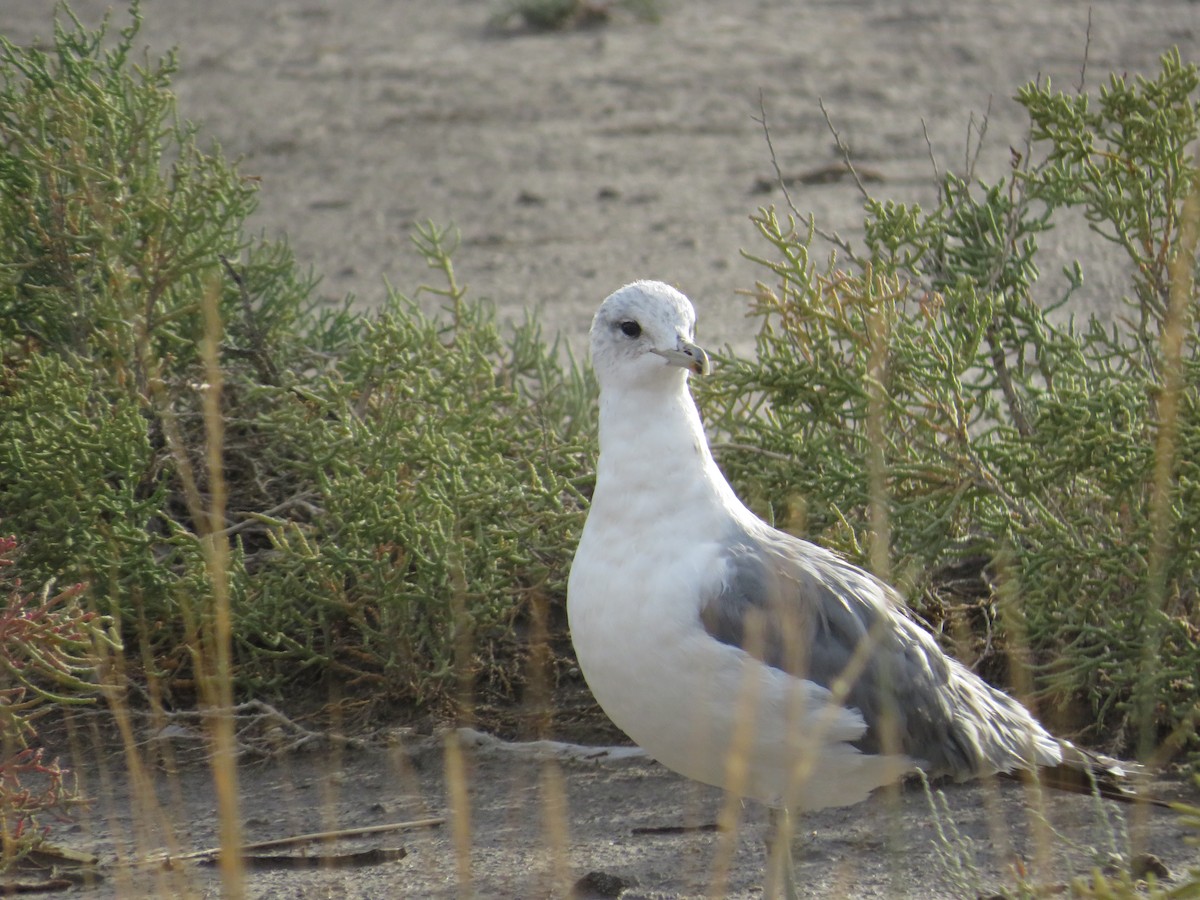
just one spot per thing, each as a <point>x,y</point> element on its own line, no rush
<point>401,488</point>
<point>919,395</point>
<point>393,482</point>
<point>444,475</point>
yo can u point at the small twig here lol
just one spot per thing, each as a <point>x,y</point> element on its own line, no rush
<point>338,834</point>
<point>704,828</point>
<point>1016,408</point>
<point>254,517</point>
<point>750,448</point>
<point>1017,198</point>
<point>971,160</point>
<point>844,149</point>
<point>371,857</point>
<point>546,749</point>
<point>12,888</point>
<point>989,633</point>
<point>937,174</point>
<point>247,306</point>
<point>258,338</point>
<point>250,716</point>
<point>297,840</point>
<point>762,120</point>
<point>1087,46</point>
<point>831,236</point>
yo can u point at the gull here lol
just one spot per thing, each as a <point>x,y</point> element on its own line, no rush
<point>741,656</point>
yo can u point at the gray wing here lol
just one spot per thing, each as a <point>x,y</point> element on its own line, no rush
<point>807,611</point>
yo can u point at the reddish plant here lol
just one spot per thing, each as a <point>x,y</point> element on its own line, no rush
<point>48,654</point>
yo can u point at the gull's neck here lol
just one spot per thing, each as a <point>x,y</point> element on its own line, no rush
<point>655,462</point>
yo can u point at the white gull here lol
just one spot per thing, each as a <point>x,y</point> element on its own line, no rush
<point>736,654</point>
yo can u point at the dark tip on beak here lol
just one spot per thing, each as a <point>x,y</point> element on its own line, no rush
<point>687,356</point>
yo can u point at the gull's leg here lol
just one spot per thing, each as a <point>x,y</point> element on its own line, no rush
<point>781,874</point>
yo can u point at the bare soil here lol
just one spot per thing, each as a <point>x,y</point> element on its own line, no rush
<point>547,819</point>
<point>572,163</point>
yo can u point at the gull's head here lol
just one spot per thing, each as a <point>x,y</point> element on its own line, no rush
<point>643,334</point>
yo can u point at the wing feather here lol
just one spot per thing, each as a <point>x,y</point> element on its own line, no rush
<point>807,611</point>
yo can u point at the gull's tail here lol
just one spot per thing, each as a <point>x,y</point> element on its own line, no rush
<point>1084,772</point>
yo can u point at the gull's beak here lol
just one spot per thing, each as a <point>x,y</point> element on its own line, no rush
<point>688,356</point>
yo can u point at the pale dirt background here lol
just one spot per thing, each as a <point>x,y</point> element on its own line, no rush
<point>573,163</point>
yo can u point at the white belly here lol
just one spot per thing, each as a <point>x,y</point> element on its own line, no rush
<point>705,709</point>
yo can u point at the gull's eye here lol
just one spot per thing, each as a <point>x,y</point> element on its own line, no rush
<point>630,328</point>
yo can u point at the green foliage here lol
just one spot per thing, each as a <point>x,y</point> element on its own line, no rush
<point>445,484</point>
<point>923,396</point>
<point>398,487</point>
<point>112,217</point>
<point>1127,160</point>
<point>114,222</point>
<point>78,466</point>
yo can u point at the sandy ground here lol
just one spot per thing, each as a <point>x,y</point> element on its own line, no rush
<point>544,819</point>
<point>573,163</point>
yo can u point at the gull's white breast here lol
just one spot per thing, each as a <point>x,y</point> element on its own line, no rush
<point>693,703</point>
